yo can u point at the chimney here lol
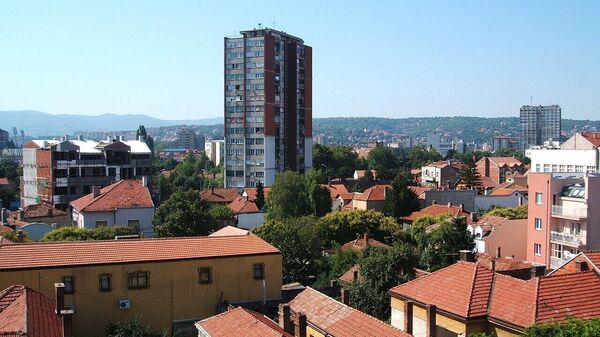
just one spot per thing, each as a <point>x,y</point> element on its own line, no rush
<point>408,317</point>
<point>466,255</point>
<point>473,216</point>
<point>434,202</point>
<point>366,238</point>
<point>50,211</point>
<point>431,324</point>
<point>145,181</point>
<point>449,204</point>
<point>498,252</point>
<point>59,289</point>
<point>582,266</point>
<point>212,189</point>
<point>355,275</point>
<point>493,264</point>
<point>285,320</point>
<point>300,326</point>
<point>345,296</point>
<point>21,215</point>
<point>61,311</point>
<point>20,236</point>
<point>96,191</point>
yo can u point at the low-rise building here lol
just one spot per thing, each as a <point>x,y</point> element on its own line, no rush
<point>219,196</point>
<point>436,209</point>
<point>494,170</point>
<point>374,197</point>
<point>126,202</point>
<point>169,283</point>
<point>579,154</point>
<point>583,261</point>
<point>240,322</point>
<point>442,174</point>
<point>246,213</point>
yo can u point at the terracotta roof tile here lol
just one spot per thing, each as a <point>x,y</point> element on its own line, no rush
<point>348,276</point>
<point>5,182</point>
<point>503,263</point>
<point>219,195</point>
<point>374,193</point>
<point>435,210</point>
<point>362,243</point>
<point>592,137</point>
<point>487,182</point>
<point>503,191</point>
<point>26,312</point>
<point>251,192</point>
<point>505,161</point>
<point>462,289</point>
<point>241,322</point>
<point>243,205</point>
<point>230,231</point>
<point>126,193</point>
<point>335,189</point>
<point>594,257</point>
<point>338,319</point>
<point>490,222</point>
<point>43,255</point>
<point>39,211</point>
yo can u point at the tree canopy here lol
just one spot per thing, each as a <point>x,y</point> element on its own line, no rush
<point>400,200</point>
<point>70,233</point>
<point>288,196</point>
<point>183,214</point>
<point>470,176</point>
<point>339,161</point>
<point>131,328</point>
<point>383,160</point>
<point>511,213</point>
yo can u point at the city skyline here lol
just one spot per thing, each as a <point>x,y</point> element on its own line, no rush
<point>165,60</point>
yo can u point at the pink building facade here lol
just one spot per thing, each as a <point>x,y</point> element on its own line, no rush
<point>564,216</point>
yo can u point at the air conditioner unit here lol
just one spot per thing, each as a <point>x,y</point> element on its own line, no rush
<point>124,304</point>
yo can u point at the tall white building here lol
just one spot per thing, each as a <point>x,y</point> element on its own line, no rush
<point>579,154</point>
<point>214,150</point>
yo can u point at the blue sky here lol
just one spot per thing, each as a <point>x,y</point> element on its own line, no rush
<point>371,58</point>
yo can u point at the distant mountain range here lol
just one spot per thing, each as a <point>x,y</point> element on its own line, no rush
<point>36,123</point>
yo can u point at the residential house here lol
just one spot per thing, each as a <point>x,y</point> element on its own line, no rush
<point>246,213</point>
<point>194,277</point>
<point>374,197</point>
<point>7,184</point>
<point>335,190</point>
<point>358,245</point>
<point>516,181</point>
<point>507,265</point>
<point>315,314</point>
<point>485,301</point>
<point>240,322</point>
<point>442,174</point>
<point>363,173</point>
<point>562,220</point>
<point>29,313</point>
<point>493,233</point>
<point>230,231</point>
<point>494,170</point>
<point>583,261</point>
<point>251,192</point>
<point>38,219</point>
<point>219,196</point>
<point>436,209</point>
<point>126,202</point>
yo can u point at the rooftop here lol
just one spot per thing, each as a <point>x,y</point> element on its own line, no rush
<point>241,322</point>
<point>243,205</point>
<point>592,137</point>
<point>435,210</point>
<point>26,312</point>
<point>503,192</point>
<point>339,319</point>
<point>230,231</point>
<point>219,195</point>
<point>80,253</point>
<point>362,243</point>
<point>126,193</point>
<point>574,191</point>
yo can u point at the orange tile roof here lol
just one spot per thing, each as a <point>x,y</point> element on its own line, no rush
<point>505,161</point>
<point>251,192</point>
<point>455,164</point>
<point>219,195</point>
<point>241,322</point>
<point>487,182</point>
<point>78,253</point>
<point>126,193</point>
<point>5,182</point>
<point>348,276</point>
<point>594,257</point>
<point>338,319</point>
<point>374,193</point>
<point>503,263</point>
<point>503,191</point>
<point>592,137</point>
<point>462,289</point>
<point>26,312</point>
<point>513,186</point>
<point>362,243</point>
<point>230,231</point>
<point>242,205</point>
<point>546,298</point>
<point>335,189</point>
<point>490,222</point>
<point>435,210</point>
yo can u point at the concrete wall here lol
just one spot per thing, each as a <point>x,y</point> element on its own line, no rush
<point>456,197</point>
<point>250,220</point>
<point>174,292</point>
<point>118,217</point>
<point>592,191</point>
<point>511,237</point>
<point>563,160</point>
<point>484,202</point>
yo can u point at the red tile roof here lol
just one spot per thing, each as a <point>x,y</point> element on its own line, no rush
<point>348,276</point>
<point>44,255</point>
<point>487,182</point>
<point>362,243</point>
<point>455,164</point>
<point>462,289</point>
<point>503,263</point>
<point>243,205</point>
<point>241,322</point>
<point>374,193</point>
<point>126,193</point>
<point>420,191</point>
<point>490,222</point>
<point>5,182</point>
<point>594,257</point>
<point>513,186</point>
<point>505,161</point>
<point>435,210</point>
<point>230,231</point>
<point>503,191</point>
<point>546,298</point>
<point>251,192</point>
<point>219,195</point>
<point>26,312</point>
<point>335,189</point>
<point>338,319</point>
<point>592,137</point>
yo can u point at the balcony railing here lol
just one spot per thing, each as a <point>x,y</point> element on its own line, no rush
<point>556,262</point>
<point>569,212</point>
<point>567,239</point>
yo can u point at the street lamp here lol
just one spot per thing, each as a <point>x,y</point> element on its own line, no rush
<point>326,174</point>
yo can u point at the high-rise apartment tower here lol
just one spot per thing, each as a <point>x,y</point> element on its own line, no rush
<point>538,124</point>
<point>268,106</point>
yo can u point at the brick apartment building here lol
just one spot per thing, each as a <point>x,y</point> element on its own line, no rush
<point>494,170</point>
<point>60,171</point>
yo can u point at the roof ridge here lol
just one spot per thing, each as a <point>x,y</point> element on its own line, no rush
<point>173,238</point>
<point>535,299</point>
<point>433,273</point>
<point>106,189</point>
<point>473,280</point>
<point>252,313</point>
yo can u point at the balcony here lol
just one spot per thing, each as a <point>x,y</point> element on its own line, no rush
<point>570,213</point>
<point>566,239</point>
<point>556,262</point>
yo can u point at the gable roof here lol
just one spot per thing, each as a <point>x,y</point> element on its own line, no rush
<point>126,193</point>
<point>435,210</point>
<point>26,312</point>
<point>348,276</point>
<point>79,253</point>
<point>335,189</point>
<point>250,192</point>
<point>452,163</point>
<point>545,299</point>
<point>241,322</point>
<point>461,289</point>
<point>339,319</point>
<point>230,231</point>
<point>505,161</point>
<point>242,205</point>
<point>490,222</point>
<point>592,137</point>
<point>502,263</point>
<point>374,193</point>
<point>362,243</point>
<point>512,185</point>
<point>503,192</point>
<point>219,195</point>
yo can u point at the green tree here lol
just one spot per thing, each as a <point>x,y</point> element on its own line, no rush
<point>345,161</point>
<point>384,162</point>
<point>10,170</point>
<point>511,213</point>
<point>299,244</point>
<point>418,229</point>
<point>319,197</point>
<point>183,214</point>
<point>6,196</point>
<point>444,242</point>
<point>221,212</point>
<point>419,156</point>
<point>380,270</point>
<point>12,236</point>
<point>470,176</point>
<point>186,175</point>
<point>288,197</point>
<point>400,200</point>
<point>70,233</point>
<point>131,328</point>
<point>342,227</point>
<point>141,131</point>
<point>260,196</point>
<point>574,327</point>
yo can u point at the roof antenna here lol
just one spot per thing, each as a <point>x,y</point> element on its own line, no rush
<point>531,100</point>
<point>274,22</point>
<point>259,25</point>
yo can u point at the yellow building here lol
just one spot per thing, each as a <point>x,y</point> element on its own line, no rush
<point>169,283</point>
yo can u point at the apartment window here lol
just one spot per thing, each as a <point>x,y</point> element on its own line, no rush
<point>537,168</point>
<point>591,169</point>
<point>563,168</point>
<point>138,280</point>
<point>537,249</point>
<point>259,271</point>
<point>69,282</point>
<point>579,168</point>
<point>538,224</point>
<point>100,223</point>
<point>205,275</point>
<point>538,198</point>
<point>546,167</point>
<point>105,282</point>
<point>134,224</point>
